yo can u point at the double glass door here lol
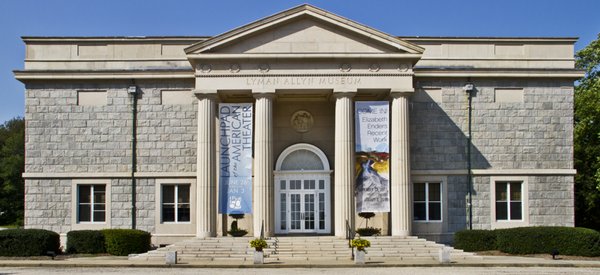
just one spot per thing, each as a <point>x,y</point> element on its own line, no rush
<point>302,206</point>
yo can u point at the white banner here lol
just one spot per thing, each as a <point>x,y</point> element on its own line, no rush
<point>372,188</point>
<point>235,158</point>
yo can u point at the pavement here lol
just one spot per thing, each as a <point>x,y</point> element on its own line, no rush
<point>120,262</point>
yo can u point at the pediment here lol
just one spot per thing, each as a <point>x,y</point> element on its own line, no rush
<point>304,30</point>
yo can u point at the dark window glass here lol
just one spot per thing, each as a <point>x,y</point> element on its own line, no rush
<point>515,210</point>
<point>434,191</point>
<point>168,195</point>
<point>515,191</point>
<point>99,216</point>
<point>183,194</point>
<point>419,209</point>
<point>501,210</point>
<point>168,213</point>
<point>501,191</point>
<point>84,213</point>
<point>183,213</point>
<point>419,192</point>
<point>435,211</point>
<point>85,193</point>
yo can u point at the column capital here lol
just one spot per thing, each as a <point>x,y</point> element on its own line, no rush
<point>210,94</point>
<point>340,93</point>
<point>268,95</point>
<point>395,93</point>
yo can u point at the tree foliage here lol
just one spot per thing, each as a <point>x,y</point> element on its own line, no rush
<point>12,164</point>
<point>587,138</point>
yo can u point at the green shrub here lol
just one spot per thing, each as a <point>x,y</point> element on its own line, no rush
<point>475,240</point>
<point>85,241</point>
<point>122,242</point>
<point>538,240</point>
<point>28,242</point>
<point>368,231</point>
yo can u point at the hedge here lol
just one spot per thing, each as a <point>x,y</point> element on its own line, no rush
<point>28,242</point>
<point>122,242</point>
<point>85,241</point>
<point>532,240</point>
<point>538,240</point>
<point>475,240</point>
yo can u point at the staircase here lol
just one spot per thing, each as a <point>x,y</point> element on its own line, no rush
<point>314,248</point>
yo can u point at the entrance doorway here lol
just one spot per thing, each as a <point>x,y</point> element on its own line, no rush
<point>302,191</point>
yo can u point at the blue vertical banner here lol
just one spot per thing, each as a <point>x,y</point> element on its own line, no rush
<point>235,158</point>
<point>372,189</point>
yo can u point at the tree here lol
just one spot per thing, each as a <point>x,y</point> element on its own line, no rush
<point>587,138</point>
<point>12,165</point>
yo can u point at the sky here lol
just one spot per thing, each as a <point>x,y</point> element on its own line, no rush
<point>571,18</point>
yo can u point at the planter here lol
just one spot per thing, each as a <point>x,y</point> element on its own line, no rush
<point>259,257</point>
<point>359,258</point>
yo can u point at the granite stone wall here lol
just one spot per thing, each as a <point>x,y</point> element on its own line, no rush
<point>534,134</point>
<point>63,137</point>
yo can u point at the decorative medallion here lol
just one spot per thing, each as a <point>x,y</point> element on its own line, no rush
<point>264,68</point>
<point>234,68</point>
<point>374,67</point>
<point>302,121</point>
<point>345,67</point>
<point>205,68</point>
<point>403,67</point>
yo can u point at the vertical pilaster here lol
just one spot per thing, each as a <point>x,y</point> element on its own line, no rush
<point>400,165</point>
<point>344,162</point>
<point>264,198</point>
<point>206,195</point>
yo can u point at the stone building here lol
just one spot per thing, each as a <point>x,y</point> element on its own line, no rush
<point>125,132</point>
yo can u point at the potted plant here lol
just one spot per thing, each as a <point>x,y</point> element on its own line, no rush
<point>367,231</point>
<point>360,245</point>
<point>235,230</point>
<point>258,245</point>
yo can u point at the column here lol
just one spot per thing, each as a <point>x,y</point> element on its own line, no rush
<point>206,195</point>
<point>344,162</point>
<point>263,165</point>
<point>400,165</point>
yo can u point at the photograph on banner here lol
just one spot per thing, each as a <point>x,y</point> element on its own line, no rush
<point>235,158</point>
<point>372,189</point>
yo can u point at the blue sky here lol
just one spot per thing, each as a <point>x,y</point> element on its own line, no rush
<point>199,18</point>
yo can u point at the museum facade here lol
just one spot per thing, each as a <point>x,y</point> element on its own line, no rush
<point>172,134</point>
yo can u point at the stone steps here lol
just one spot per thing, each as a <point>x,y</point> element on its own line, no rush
<point>322,248</point>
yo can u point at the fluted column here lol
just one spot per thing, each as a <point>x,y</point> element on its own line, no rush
<point>400,166</point>
<point>206,190</point>
<point>344,162</point>
<point>263,165</point>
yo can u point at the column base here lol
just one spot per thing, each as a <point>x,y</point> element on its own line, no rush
<point>400,233</point>
<point>205,234</point>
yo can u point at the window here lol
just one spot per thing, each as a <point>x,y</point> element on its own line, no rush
<point>509,203</point>
<point>427,199</point>
<point>175,203</point>
<point>91,203</point>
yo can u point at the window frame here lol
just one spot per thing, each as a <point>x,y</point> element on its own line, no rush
<point>175,202</point>
<point>76,224</point>
<point>508,223</point>
<point>427,201</point>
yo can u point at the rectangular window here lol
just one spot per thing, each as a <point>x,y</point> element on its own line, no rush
<point>509,205</point>
<point>175,203</point>
<point>91,203</point>
<point>427,198</point>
